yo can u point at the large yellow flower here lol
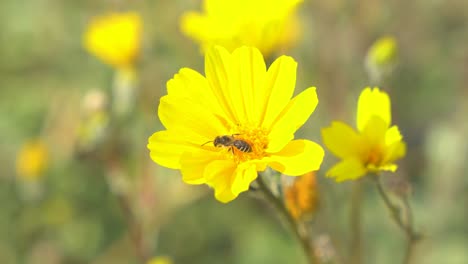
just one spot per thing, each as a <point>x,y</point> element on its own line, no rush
<point>374,147</point>
<point>266,24</point>
<point>115,38</point>
<point>250,105</point>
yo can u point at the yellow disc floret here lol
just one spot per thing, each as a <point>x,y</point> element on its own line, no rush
<point>257,138</point>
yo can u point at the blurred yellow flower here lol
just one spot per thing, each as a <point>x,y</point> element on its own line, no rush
<point>269,25</point>
<point>115,38</point>
<point>223,128</point>
<point>382,57</point>
<point>301,197</point>
<point>160,260</point>
<point>32,160</point>
<point>383,51</point>
<point>374,147</point>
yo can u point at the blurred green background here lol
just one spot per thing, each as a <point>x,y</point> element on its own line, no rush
<point>111,204</point>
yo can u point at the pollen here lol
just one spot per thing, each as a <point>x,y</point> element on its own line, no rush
<point>257,139</point>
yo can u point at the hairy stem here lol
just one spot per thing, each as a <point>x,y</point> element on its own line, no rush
<point>405,225</point>
<point>293,224</point>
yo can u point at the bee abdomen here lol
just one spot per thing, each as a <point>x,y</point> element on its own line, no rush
<point>242,146</point>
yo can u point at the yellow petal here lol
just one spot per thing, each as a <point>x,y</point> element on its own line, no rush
<point>190,84</point>
<point>389,167</point>
<point>166,148</point>
<point>341,140</point>
<point>244,175</point>
<point>292,118</point>
<point>375,131</point>
<point>373,103</point>
<point>393,135</point>
<point>189,120</point>
<point>219,175</point>
<point>247,89</point>
<point>218,68</point>
<point>279,88</point>
<point>194,165</point>
<point>394,152</point>
<point>348,169</point>
<point>297,158</point>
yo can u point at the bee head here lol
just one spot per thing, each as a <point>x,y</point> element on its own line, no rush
<point>222,140</point>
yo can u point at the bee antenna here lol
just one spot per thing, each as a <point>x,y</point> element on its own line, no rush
<point>207,142</point>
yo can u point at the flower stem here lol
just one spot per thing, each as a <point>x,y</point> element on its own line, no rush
<point>356,225</point>
<point>406,226</point>
<point>293,224</point>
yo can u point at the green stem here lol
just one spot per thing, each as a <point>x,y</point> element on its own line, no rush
<point>407,227</point>
<point>293,224</point>
<point>356,227</point>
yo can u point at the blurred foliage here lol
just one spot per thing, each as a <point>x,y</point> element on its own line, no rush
<point>111,204</point>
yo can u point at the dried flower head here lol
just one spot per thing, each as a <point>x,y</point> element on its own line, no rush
<point>301,196</point>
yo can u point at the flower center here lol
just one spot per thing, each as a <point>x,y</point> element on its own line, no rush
<point>255,138</point>
<point>374,158</point>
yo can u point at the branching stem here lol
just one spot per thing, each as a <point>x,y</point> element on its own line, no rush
<point>293,224</point>
<point>406,226</point>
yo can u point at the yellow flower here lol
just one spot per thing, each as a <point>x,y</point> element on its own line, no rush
<point>382,58</point>
<point>115,38</point>
<point>160,260</point>
<point>301,197</point>
<point>383,51</point>
<point>374,147</point>
<point>266,24</point>
<point>223,128</point>
<point>32,160</point>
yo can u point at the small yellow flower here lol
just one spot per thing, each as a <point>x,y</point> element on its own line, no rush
<point>115,38</point>
<point>160,260</point>
<point>374,147</point>
<point>383,51</point>
<point>301,197</point>
<point>266,24</point>
<point>382,58</point>
<point>223,128</point>
<point>32,160</point>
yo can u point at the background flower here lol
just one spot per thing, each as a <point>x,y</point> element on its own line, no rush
<point>32,160</point>
<point>115,38</point>
<point>301,195</point>
<point>238,98</point>
<point>381,58</point>
<point>267,25</point>
<point>375,146</point>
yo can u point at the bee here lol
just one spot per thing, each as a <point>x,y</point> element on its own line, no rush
<point>231,142</point>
